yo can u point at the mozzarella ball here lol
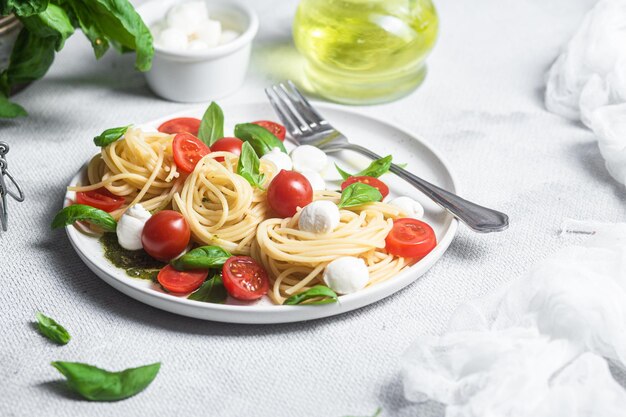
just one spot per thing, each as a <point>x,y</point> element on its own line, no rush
<point>408,206</point>
<point>278,158</point>
<point>197,45</point>
<point>172,38</point>
<point>307,157</point>
<point>209,32</point>
<point>315,178</point>
<point>346,275</point>
<point>130,226</point>
<point>319,217</point>
<point>187,16</point>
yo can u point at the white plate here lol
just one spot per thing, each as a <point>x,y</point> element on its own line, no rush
<point>378,135</point>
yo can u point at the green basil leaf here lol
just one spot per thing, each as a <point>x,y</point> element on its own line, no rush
<point>204,257</point>
<point>110,135</point>
<point>117,23</point>
<point>97,384</point>
<point>248,166</point>
<point>212,125</point>
<point>52,22</point>
<point>9,109</point>
<point>52,330</point>
<point>359,193</point>
<point>80,212</point>
<point>30,58</point>
<point>345,175</point>
<point>375,169</point>
<point>328,296</point>
<point>212,291</point>
<point>261,139</point>
<point>22,7</point>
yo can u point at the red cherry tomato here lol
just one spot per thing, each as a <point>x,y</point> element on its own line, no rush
<point>276,129</point>
<point>232,145</point>
<point>287,191</point>
<point>374,182</point>
<point>181,282</point>
<point>101,199</point>
<point>410,238</point>
<point>181,125</point>
<point>244,278</point>
<point>188,150</point>
<point>165,235</point>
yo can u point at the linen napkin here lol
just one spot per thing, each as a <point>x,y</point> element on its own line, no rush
<point>588,81</point>
<point>537,348</point>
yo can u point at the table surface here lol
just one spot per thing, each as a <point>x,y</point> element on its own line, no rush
<point>481,106</point>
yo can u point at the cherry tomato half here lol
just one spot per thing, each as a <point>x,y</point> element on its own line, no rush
<point>374,182</point>
<point>181,282</point>
<point>181,125</point>
<point>244,278</point>
<point>274,128</point>
<point>410,238</point>
<point>101,198</point>
<point>288,191</point>
<point>232,145</point>
<point>188,150</point>
<point>165,235</point>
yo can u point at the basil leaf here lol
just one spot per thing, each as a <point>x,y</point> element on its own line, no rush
<point>204,257</point>
<point>30,59</point>
<point>97,384</point>
<point>82,212</point>
<point>22,7</point>
<point>212,291</point>
<point>52,330</point>
<point>117,23</point>
<point>52,22</point>
<point>359,193</point>
<point>248,166</point>
<point>375,169</point>
<point>110,135</point>
<point>9,109</point>
<point>328,296</point>
<point>212,125</point>
<point>261,139</point>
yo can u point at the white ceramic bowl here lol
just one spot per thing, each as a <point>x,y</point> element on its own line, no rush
<point>202,75</point>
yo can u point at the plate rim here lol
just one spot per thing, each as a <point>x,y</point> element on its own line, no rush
<point>348,302</point>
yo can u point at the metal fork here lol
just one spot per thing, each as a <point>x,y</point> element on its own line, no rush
<point>307,127</point>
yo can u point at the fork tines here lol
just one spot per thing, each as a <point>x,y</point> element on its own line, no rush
<point>293,109</point>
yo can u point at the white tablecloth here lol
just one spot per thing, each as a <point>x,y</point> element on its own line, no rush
<point>481,106</point>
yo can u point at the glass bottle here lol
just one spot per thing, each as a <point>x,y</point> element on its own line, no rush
<point>365,51</point>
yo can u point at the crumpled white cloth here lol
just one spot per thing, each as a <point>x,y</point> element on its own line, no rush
<point>588,81</point>
<point>536,348</point>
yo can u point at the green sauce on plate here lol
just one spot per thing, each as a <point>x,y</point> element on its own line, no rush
<point>136,263</point>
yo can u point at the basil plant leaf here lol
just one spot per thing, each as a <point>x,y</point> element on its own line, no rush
<point>30,59</point>
<point>22,7</point>
<point>52,330</point>
<point>261,139</point>
<point>248,166</point>
<point>204,257</point>
<point>211,291</point>
<point>109,136</point>
<point>357,194</point>
<point>81,212</point>
<point>9,109</point>
<point>375,169</point>
<point>319,291</point>
<point>212,125</point>
<point>97,384</point>
<point>52,22</point>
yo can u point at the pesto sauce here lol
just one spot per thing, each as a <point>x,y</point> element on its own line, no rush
<point>136,263</point>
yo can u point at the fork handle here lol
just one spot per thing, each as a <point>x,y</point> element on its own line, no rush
<point>478,218</point>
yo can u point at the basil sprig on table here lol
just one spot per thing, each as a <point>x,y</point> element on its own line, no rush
<point>81,212</point>
<point>262,140</point>
<point>319,291</point>
<point>357,194</point>
<point>375,169</point>
<point>212,125</point>
<point>204,257</point>
<point>97,384</point>
<point>248,166</point>
<point>110,135</point>
<point>211,291</point>
<point>52,330</point>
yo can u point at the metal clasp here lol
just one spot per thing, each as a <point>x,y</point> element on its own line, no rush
<point>15,191</point>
